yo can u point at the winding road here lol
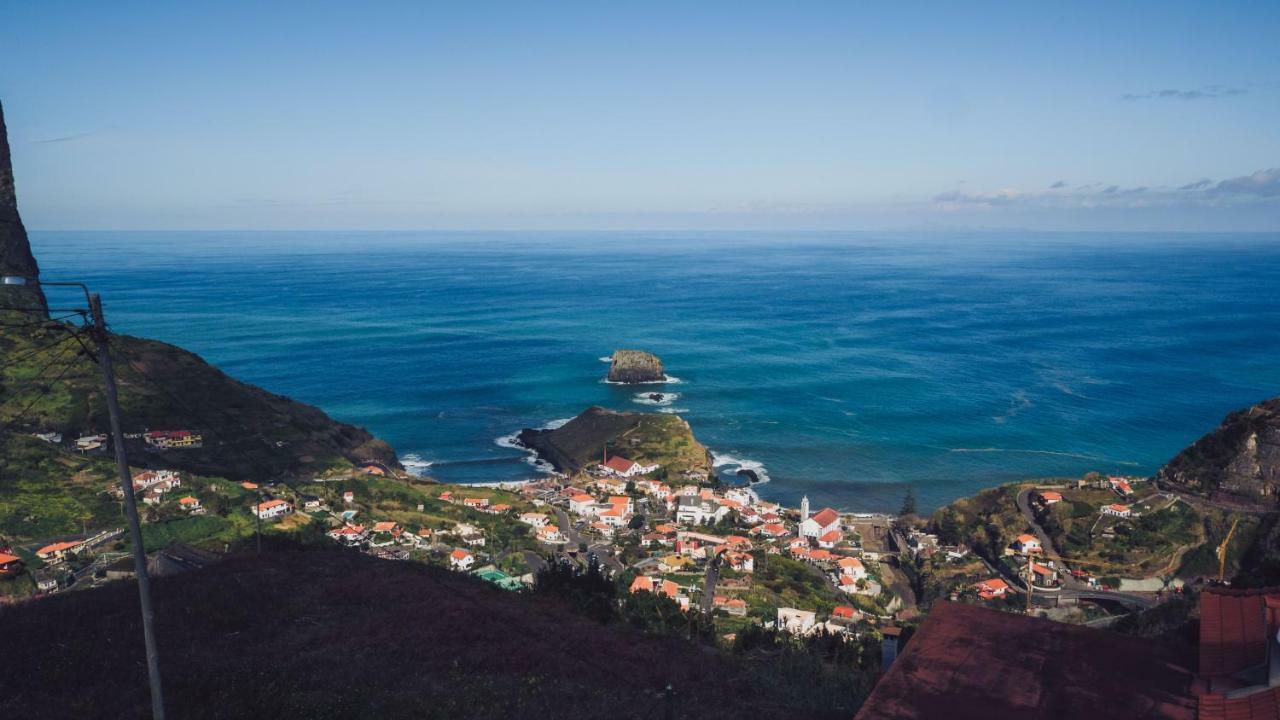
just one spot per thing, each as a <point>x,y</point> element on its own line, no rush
<point>1072,588</point>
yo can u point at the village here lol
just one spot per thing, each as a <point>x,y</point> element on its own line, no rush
<point>703,546</point>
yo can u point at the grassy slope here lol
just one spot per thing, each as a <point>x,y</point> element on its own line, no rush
<point>1144,546</point>
<point>248,431</point>
<point>329,634</point>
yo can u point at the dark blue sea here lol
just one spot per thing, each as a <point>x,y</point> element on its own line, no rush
<point>844,366</point>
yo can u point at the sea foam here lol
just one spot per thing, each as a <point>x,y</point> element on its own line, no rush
<point>414,464</point>
<point>735,464</point>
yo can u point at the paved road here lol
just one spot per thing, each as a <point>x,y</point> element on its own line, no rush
<point>602,551</point>
<point>709,587</point>
<point>534,561</point>
<point>1071,586</point>
<point>1069,581</point>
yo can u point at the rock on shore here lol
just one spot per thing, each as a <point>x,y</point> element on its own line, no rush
<point>635,366</point>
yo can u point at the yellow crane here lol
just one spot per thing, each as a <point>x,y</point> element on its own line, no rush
<point>1222,550</point>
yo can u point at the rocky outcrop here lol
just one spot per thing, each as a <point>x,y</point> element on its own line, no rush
<point>15,249</point>
<point>666,440</point>
<point>1236,464</point>
<point>635,366</point>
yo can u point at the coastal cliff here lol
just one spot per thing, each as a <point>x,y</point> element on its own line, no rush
<point>666,440</point>
<point>49,383</point>
<point>635,366</point>
<point>1238,463</point>
<point>15,250</point>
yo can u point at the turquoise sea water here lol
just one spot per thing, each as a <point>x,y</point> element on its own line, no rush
<point>848,365</point>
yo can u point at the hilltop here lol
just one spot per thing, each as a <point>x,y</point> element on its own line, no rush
<point>300,633</point>
<point>664,440</point>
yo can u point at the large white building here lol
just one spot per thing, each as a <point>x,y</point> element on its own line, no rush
<point>623,467</point>
<point>697,510</point>
<point>799,622</point>
<point>823,522</point>
<point>272,508</point>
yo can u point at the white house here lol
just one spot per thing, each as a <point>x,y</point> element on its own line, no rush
<point>535,519</point>
<point>696,510</point>
<point>550,534</point>
<point>349,534</point>
<point>461,560</point>
<point>623,467</point>
<point>150,478</point>
<point>823,522</point>
<point>830,540</point>
<point>1027,544</point>
<point>799,622</point>
<point>1118,510</point>
<point>853,567</point>
<point>272,509</point>
<point>582,504</point>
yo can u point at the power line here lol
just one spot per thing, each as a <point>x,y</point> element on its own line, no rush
<point>48,387</point>
<point>34,351</point>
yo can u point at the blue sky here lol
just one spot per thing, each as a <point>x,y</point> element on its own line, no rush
<point>657,115</point>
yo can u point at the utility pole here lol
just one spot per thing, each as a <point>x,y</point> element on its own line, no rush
<point>99,332</point>
<point>1030,579</point>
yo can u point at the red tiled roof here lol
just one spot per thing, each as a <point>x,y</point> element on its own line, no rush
<point>620,464</point>
<point>57,547</point>
<point>826,516</point>
<point>969,663</point>
<point>1233,629</point>
<point>1263,705</point>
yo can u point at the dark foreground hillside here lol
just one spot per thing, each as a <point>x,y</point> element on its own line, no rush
<point>333,634</point>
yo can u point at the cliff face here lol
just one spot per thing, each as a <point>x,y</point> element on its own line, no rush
<point>635,366</point>
<point>649,437</point>
<point>15,249</point>
<point>1238,463</point>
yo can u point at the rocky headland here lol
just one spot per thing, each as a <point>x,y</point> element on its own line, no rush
<point>636,366</point>
<point>1236,464</point>
<point>666,440</point>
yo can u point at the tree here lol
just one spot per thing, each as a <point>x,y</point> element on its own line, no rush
<point>908,503</point>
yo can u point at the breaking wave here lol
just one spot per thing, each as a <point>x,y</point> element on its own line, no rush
<point>733,464</point>
<point>512,441</point>
<point>655,398</point>
<point>414,464</point>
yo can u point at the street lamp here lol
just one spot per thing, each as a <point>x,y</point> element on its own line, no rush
<point>98,331</point>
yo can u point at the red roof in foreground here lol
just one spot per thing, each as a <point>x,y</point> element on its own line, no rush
<point>1259,706</point>
<point>970,662</point>
<point>1233,628</point>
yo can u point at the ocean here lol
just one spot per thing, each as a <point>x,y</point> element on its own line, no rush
<point>847,367</point>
